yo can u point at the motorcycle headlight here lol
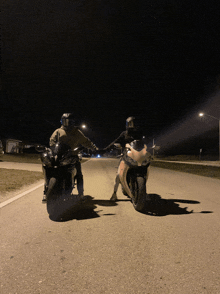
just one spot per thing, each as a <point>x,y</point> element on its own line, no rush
<point>46,159</point>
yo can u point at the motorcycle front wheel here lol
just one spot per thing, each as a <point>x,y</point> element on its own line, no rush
<point>51,189</point>
<point>138,189</point>
<point>52,195</point>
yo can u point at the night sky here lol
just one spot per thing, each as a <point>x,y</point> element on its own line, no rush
<point>107,60</point>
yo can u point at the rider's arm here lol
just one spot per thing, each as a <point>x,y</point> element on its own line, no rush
<point>86,142</point>
<point>120,139</point>
<point>54,138</point>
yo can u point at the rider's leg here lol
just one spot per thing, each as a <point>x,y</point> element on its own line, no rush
<point>79,178</point>
<point>114,195</point>
<point>117,182</point>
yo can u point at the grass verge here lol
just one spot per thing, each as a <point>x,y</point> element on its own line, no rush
<point>25,158</point>
<point>201,170</point>
<point>13,179</point>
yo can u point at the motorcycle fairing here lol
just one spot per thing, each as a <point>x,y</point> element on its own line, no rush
<point>68,159</point>
<point>137,154</point>
<point>50,158</point>
<point>136,162</point>
<point>47,158</point>
<point>137,145</point>
<point>59,162</point>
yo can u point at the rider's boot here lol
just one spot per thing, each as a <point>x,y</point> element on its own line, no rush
<point>148,198</point>
<point>80,186</point>
<point>46,182</point>
<point>44,195</point>
<point>114,197</point>
<point>44,198</point>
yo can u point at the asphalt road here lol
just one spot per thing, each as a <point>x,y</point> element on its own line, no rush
<point>111,248</point>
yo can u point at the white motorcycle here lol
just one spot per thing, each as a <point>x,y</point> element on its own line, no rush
<point>133,172</point>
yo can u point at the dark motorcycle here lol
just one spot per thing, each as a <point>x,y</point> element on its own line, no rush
<point>59,167</point>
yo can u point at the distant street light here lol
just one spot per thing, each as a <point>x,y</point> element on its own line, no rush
<point>201,114</point>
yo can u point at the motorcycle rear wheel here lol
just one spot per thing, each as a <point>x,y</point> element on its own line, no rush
<point>138,189</point>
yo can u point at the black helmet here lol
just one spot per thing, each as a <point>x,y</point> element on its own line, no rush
<point>130,122</point>
<point>67,120</point>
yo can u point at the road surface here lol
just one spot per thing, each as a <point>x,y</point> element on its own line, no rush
<point>111,248</point>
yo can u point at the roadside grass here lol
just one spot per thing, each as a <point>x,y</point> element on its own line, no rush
<point>13,179</point>
<point>201,170</point>
<point>24,158</point>
<point>188,158</point>
<point>21,157</point>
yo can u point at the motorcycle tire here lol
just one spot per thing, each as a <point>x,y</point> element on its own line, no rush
<point>52,195</point>
<point>51,189</point>
<point>138,189</point>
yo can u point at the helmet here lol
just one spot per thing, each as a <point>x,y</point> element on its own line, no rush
<point>130,122</point>
<point>67,120</point>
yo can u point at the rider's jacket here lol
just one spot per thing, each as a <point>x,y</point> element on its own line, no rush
<point>73,138</point>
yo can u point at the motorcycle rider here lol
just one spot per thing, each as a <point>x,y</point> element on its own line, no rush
<point>132,132</point>
<point>70,135</point>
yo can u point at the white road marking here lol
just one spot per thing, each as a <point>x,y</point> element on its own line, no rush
<point>20,195</point>
<point>24,193</point>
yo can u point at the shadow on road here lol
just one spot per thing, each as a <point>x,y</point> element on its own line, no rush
<point>158,206</point>
<point>71,208</point>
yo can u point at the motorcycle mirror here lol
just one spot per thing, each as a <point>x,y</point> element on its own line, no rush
<point>40,148</point>
<point>117,145</point>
